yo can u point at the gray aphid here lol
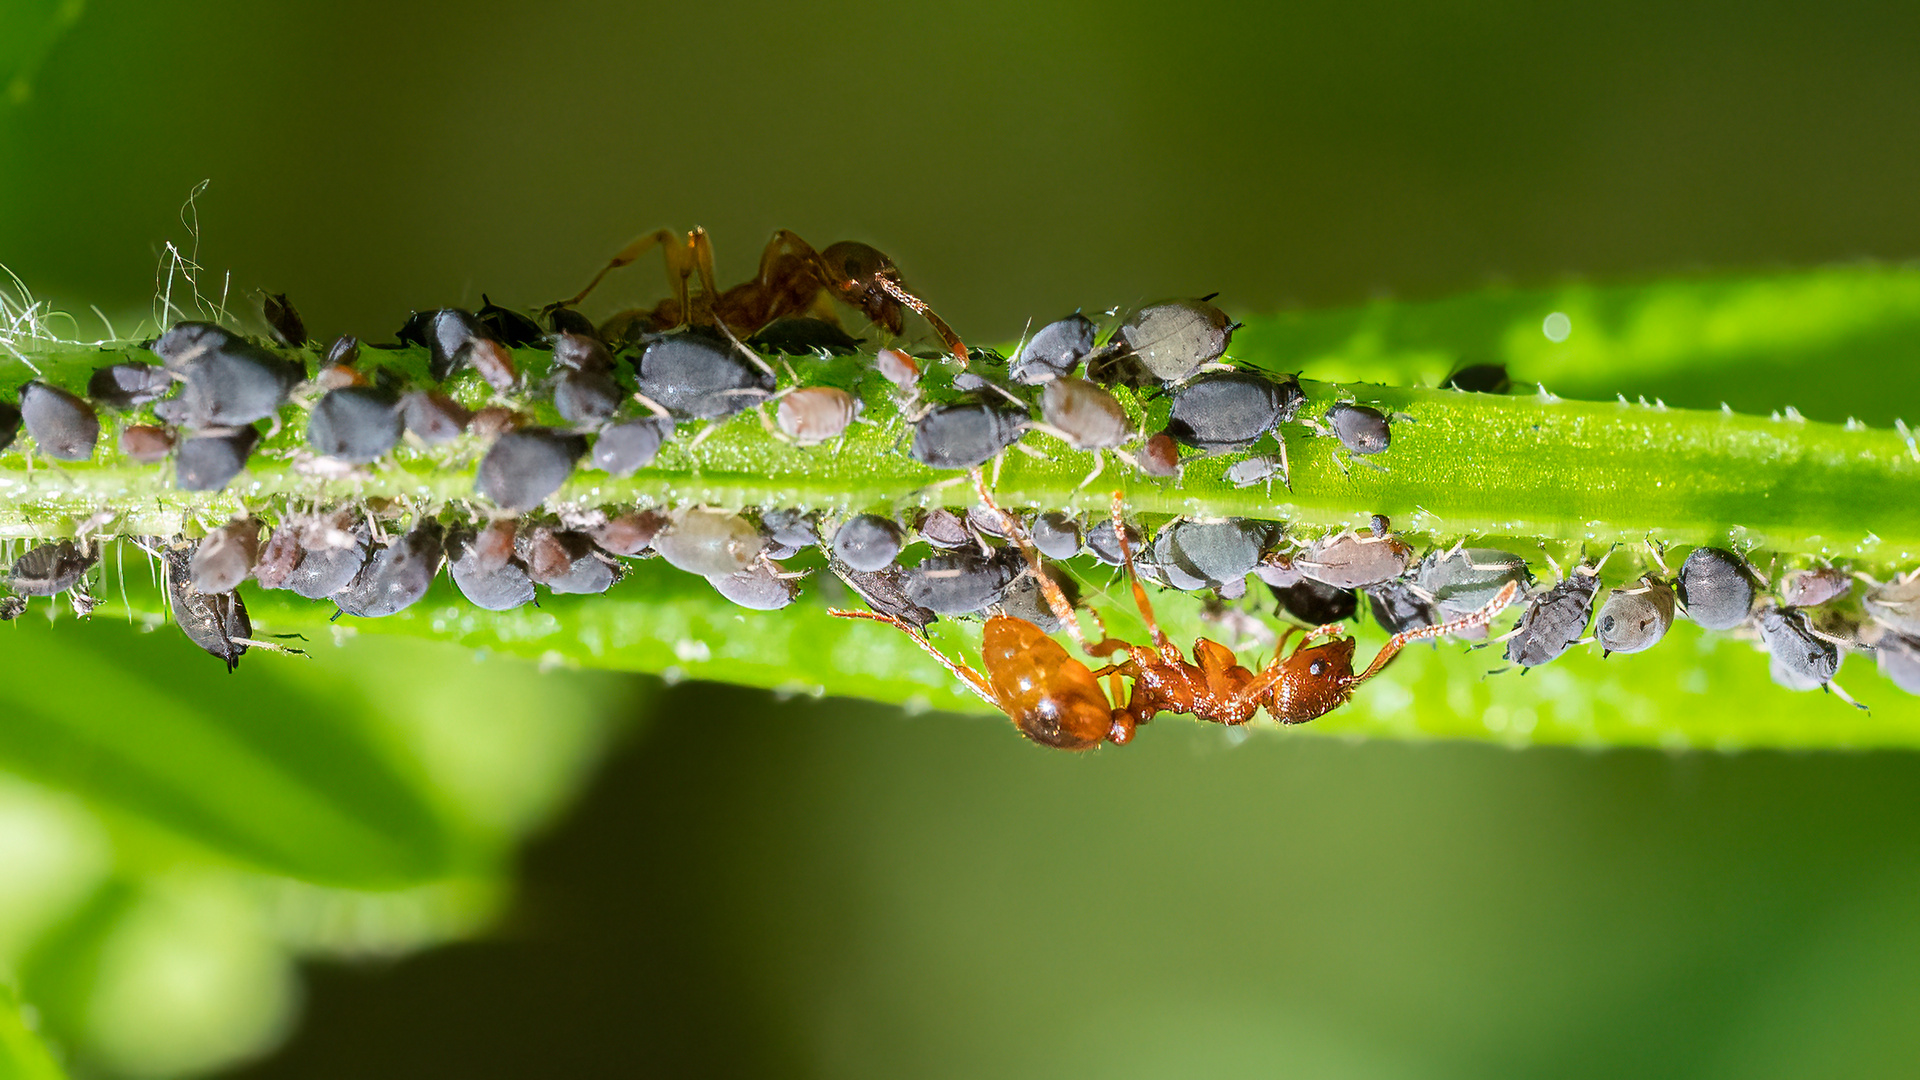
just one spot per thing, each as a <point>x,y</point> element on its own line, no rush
<point>397,576</point>
<point>1896,605</point>
<point>1554,620</point>
<point>1399,607</point>
<point>961,582</point>
<point>1024,599</point>
<point>1175,339</point>
<point>502,587</point>
<point>128,385</point>
<point>523,467</point>
<point>1215,552</point>
<point>224,557</point>
<point>1813,587</point>
<point>1055,535</point>
<point>1362,429</point>
<point>433,416</point>
<point>868,542</point>
<point>324,571</point>
<point>1899,659</point>
<point>631,445</point>
<point>1464,580</point>
<point>1257,469</point>
<point>587,396</point>
<point>1103,545</point>
<point>210,462</point>
<point>1054,350</point>
<point>235,384</point>
<point>1231,410</point>
<point>1717,588</point>
<point>790,528</point>
<point>51,569</point>
<point>1800,659</point>
<point>1352,560</point>
<point>757,588</point>
<point>63,425</point>
<point>692,374</point>
<point>1635,617</point>
<point>964,435</point>
<point>884,591</point>
<point>357,424</point>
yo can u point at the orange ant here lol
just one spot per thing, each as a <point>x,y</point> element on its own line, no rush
<point>1058,701</point>
<point>793,280</point>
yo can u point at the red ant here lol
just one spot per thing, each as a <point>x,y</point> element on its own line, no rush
<point>1058,701</point>
<point>793,277</point>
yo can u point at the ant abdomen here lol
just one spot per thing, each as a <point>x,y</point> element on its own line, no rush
<point>1053,698</point>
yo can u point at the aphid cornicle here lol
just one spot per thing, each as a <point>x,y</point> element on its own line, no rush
<point>1057,701</point>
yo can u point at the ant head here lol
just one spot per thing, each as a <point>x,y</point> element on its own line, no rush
<point>860,263</point>
<point>1315,682</point>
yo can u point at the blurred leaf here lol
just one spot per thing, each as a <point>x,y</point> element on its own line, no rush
<point>22,1055</point>
<point>32,27</point>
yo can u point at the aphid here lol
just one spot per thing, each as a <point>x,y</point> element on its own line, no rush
<point>488,583</point>
<point>279,558</point>
<point>344,352</point>
<point>1800,658</point>
<point>62,424</point>
<point>1215,552</point>
<point>1104,545</point>
<point>454,339</point>
<point>586,397</point>
<point>760,587</point>
<point>1175,339</point>
<point>523,467</point>
<point>216,622</point>
<point>127,386</point>
<point>397,576</point>
<point>564,320</point>
<point>1635,617</point>
<point>1084,416</point>
<point>433,417</point>
<point>1315,603</point>
<point>1055,535</point>
<point>581,352</point>
<point>802,336</point>
<point>868,542</point>
<point>1160,456</point>
<point>1481,379</point>
<point>963,435</point>
<point>1717,588</point>
<point>1352,560</point>
<point>187,342</point>
<point>224,557</point>
<point>1057,701</point>
<point>1554,620</point>
<point>1362,429</point>
<point>283,320</point>
<point>52,568</point>
<point>12,607</point>
<point>210,462</point>
<point>1811,588</point>
<point>507,326</point>
<point>984,522</point>
<point>1398,606</point>
<point>339,376</point>
<point>1054,350</point>
<point>145,443</point>
<point>1896,605</point>
<point>355,423</point>
<point>9,425</point>
<point>897,368</point>
<point>1258,469</point>
<point>1463,579</point>
<point>694,374</point>
<point>630,533</point>
<point>326,569</point>
<point>1026,599</point>
<point>1899,660</point>
<point>229,385</point>
<point>631,445</point>
<point>565,562</point>
<point>492,421</point>
<point>495,545</point>
<point>961,582</point>
<point>1231,410</point>
<point>815,414</point>
<point>709,542</point>
<point>945,529</point>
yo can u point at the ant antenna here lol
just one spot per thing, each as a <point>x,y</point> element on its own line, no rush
<point>1466,622</point>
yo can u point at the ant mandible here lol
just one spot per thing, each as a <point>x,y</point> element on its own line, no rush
<point>792,278</point>
<point>1058,701</point>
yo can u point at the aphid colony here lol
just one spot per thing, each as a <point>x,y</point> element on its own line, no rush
<point>614,395</point>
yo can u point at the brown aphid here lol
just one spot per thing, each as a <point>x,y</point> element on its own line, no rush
<point>146,443</point>
<point>496,420</point>
<point>494,545</point>
<point>1083,415</point>
<point>494,362</point>
<point>895,366</point>
<point>630,533</point>
<point>551,553</point>
<point>1811,588</point>
<point>1160,456</point>
<point>336,376</point>
<point>1058,701</point>
<point>279,558</point>
<point>225,556</point>
<point>1353,560</point>
<point>435,418</point>
<point>816,414</point>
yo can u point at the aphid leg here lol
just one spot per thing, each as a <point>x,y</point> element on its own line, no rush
<point>1286,468</point>
<point>255,643</point>
<point>1160,638</point>
<point>1834,689</point>
<point>1056,600</point>
<point>1453,626</point>
<point>1099,466</point>
<point>974,681</point>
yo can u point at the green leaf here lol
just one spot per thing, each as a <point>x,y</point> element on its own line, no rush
<point>23,1056</point>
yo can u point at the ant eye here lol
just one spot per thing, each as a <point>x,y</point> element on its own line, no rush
<point>1318,667</point>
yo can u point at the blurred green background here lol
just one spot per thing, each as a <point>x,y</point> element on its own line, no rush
<point>762,887</point>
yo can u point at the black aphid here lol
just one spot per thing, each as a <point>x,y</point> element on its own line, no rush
<point>801,336</point>
<point>63,425</point>
<point>1554,620</point>
<point>283,320</point>
<point>1054,350</point>
<point>884,591</point>
<point>1103,545</point>
<point>1231,410</point>
<point>51,569</point>
<point>631,445</point>
<point>1175,339</point>
<point>397,576</point>
<point>216,622</point>
<point>587,396</point>
<point>507,326</point>
<point>1399,607</point>
<point>523,467</point>
<point>759,587</point>
<point>1464,580</point>
<point>868,542</point>
<point>1481,379</point>
<point>499,587</point>
<point>210,462</point>
<point>1353,560</point>
<point>448,335</point>
<point>1717,588</point>
<point>129,385</point>
<point>710,542</point>
<point>1362,429</point>
<point>1024,599</point>
<point>1215,552</point>
<point>9,425</point>
<point>963,435</point>
<point>433,416</point>
<point>1315,603</point>
<point>236,383</point>
<point>1055,535</point>
<point>1635,617</point>
<point>186,342</point>
<point>962,582</point>
<point>224,557</point>
<point>355,423</point>
<point>693,374</point>
<point>1801,660</point>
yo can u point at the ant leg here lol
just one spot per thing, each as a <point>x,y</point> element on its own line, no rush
<point>1160,639</point>
<point>1465,622</point>
<point>1056,600</point>
<point>974,681</point>
<point>700,249</point>
<point>1326,630</point>
<point>671,245</point>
